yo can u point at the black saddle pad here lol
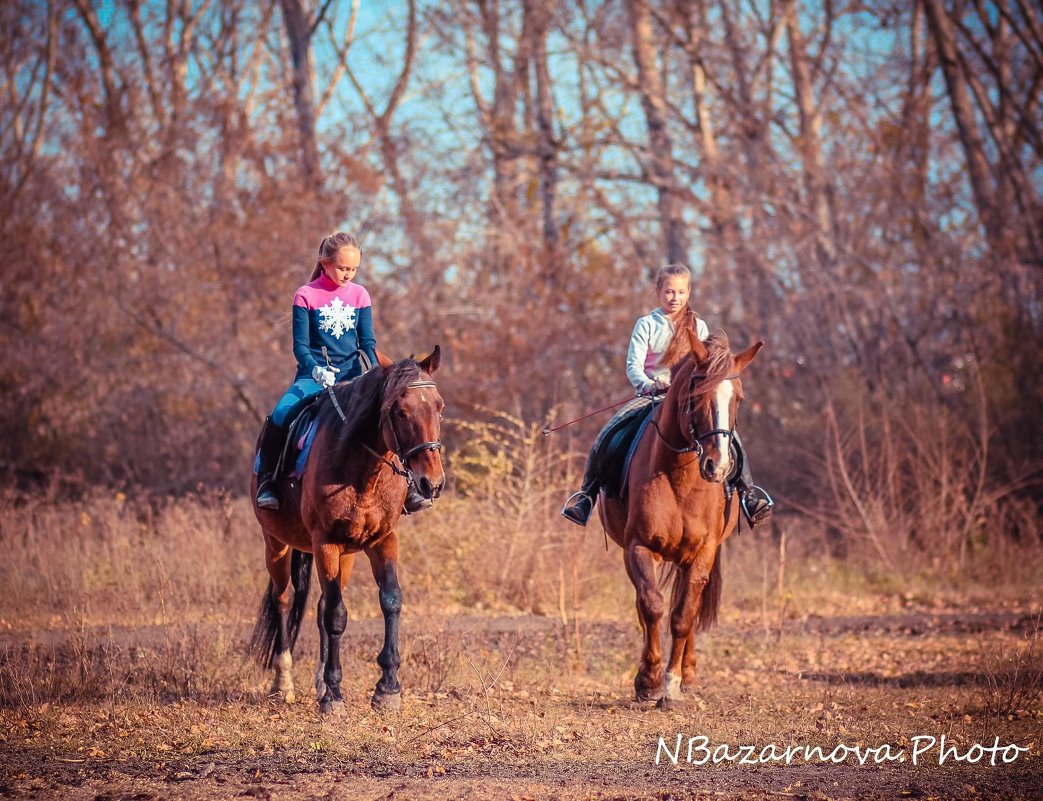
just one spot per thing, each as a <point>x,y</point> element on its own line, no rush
<point>616,446</point>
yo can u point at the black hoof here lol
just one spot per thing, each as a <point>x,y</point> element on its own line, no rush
<point>386,702</point>
<point>331,708</point>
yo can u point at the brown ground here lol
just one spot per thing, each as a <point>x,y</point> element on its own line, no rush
<point>522,708</point>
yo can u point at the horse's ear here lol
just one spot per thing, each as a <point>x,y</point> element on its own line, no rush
<point>430,364</point>
<point>744,358</point>
<point>383,360</point>
<point>699,350</point>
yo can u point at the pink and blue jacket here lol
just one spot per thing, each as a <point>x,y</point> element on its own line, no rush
<point>337,317</point>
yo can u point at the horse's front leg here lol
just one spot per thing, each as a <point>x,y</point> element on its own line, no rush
<point>688,587</point>
<point>383,558</point>
<point>640,563</point>
<point>333,620</point>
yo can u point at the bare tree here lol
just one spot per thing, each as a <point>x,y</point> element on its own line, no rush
<point>660,146</point>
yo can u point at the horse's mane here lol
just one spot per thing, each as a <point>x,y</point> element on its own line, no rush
<point>719,364</point>
<point>679,345</point>
<point>366,402</point>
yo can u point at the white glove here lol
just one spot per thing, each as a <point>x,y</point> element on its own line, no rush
<point>326,376</point>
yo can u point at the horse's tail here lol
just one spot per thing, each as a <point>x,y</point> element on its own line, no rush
<point>711,599</point>
<point>262,641</point>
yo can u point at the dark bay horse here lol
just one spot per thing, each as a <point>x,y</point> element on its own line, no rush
<point>349,500</point>
<point>675,508</point>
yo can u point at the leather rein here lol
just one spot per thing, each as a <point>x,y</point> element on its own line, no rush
<point>403,458</point>
<point>696,439</point>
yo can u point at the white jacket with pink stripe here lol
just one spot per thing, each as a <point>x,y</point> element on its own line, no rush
<point>648,343</point>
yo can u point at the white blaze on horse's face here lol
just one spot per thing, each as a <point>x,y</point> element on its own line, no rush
<point>722,422</point>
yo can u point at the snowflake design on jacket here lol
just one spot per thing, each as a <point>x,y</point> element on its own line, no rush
<point>336,318</point>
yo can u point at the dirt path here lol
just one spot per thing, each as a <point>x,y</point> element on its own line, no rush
<point>520,708</point>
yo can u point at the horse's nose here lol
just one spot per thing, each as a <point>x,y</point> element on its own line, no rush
<point>439,487</point>
<point>713,470</point>
<point>425,487</point>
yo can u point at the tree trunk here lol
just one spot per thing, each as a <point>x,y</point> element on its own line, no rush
<point>810,135</point>
<point>547,146</point>
<point>973,148</point>
<point>299,32</point>
<point>660,159</point>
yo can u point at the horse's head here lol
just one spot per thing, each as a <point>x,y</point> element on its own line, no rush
<point>708,393</point>
<point>411,418</point>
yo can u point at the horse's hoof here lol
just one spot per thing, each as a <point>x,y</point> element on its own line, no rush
<point>646,690</point>
<point>668,704</point>
<point>331,708</point>
<point>386,702</point>
<point>282,694</point>
<point>648,695</point>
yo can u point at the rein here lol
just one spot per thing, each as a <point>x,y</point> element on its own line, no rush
<point>403,458</point>
<point>696,439</point>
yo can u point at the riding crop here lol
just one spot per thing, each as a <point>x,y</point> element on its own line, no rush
<point>548,431</point>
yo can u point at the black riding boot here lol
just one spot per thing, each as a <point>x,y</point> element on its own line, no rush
<point>756,503</point>
<point>273,438</point>
<point>578,508</point>
<point>580,505</point>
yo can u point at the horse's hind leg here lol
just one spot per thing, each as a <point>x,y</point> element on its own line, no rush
<point>333,620</point>
<point>383,559</point>
<point>688,672</point>
<point>640,564</point>
<point>279,568</point>
<point>346,563</point>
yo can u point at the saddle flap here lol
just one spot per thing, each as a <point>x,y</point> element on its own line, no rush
<point>299,436</point>
<point>616,443</point>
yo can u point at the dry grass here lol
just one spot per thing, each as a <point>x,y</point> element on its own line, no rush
<point>123,622</point>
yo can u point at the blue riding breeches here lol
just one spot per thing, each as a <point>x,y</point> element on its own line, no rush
<point>299,393</point>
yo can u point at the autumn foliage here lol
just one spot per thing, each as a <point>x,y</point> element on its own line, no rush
<point>856,184</point>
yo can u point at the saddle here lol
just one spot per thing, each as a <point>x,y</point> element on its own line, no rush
<point>615,445</point>
<point>300,434</point>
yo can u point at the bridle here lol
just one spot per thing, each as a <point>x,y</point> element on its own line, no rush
<point>403,458</point>
<point>696,439</point>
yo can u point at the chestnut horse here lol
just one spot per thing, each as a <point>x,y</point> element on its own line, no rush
<point>675,507</point>
<point>380,434</point>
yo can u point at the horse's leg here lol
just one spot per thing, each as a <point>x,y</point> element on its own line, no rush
<point>333,619</point>
<point>346,563</point>
<point>383,558</point>
<point>640,564</point>
<point>324,649</point>
<point>688,586</point>
<point>278,558</point>
<point>688,675</point>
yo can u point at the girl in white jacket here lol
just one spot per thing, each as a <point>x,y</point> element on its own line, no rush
<point>648,343</point>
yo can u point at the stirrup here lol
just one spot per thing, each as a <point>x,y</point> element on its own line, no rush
<point>578,508</point>
<point>266,496</point>
<point>757,505</point>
